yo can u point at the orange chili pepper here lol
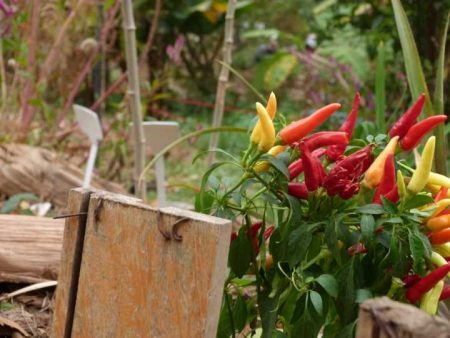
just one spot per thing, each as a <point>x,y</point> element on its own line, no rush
<point>438,223</point>
<point>440,237</point>
<point>299,129</point>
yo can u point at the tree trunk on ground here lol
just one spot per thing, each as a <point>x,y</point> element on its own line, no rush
<point>30,248</point>
<point>41,172</point>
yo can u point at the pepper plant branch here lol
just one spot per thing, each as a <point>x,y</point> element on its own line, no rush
<point>223,76</point>
<point>151,36</point>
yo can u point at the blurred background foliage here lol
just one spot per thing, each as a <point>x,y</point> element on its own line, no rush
<point>57,52</point>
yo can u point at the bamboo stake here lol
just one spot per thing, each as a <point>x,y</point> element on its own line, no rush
<point>134,96</point>
<point>223,77</point>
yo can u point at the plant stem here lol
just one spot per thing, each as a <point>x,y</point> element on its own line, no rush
<point>264,183</point>
<point>134,95</point>
<point>184,138</point>
<point>230,313</point>
<point>223,77</point>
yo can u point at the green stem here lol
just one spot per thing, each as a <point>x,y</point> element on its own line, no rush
<point>230,313</point>
<point>240,77</point>
<point>264,183</point>
<point>237,185</point>
<point>184,138</point>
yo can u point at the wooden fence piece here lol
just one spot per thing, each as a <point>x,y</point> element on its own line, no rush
<point>135,283</point>
<point>74,230</point>
<point>30,248</point>
<point>384,318</point>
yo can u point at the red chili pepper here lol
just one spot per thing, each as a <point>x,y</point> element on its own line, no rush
<point>325,139</point>
<point>444,212</point>
<point>442,193</point>
<point>388,181</point>
<point>410,280</point>
<point>298,190</point>
<point>401,127</point>
<point>314,171</point>
<point>268,232</point>
<point>233,236</point>
<point>445,294</point>
<point>299,129</point>
<point>335,151</point>
<point>343,179</point>
<point>419,130</point>
<point>296,167</point>
<point>415,292</point>
<point>356,249</point>
<point>440,237</point>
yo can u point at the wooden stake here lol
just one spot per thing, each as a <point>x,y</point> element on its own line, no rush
<point>223,77</point>
<point>134,95</point>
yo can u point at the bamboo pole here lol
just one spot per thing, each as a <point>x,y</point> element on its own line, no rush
<point>223,77</point>
<point>134,96</point>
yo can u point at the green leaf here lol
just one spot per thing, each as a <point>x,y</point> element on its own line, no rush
<point>298,244</point>
<point>372,209</point>
<point>13,202</point>
<point>380,88</point>
<point>362,295</point>
<point>280,165</point>
<point>274,70</point>
<point>329,283</point>
<point>367,227</point>
<point>388,206</point>
<point>240,314</point>
<point>413,66</point>
<point>417,201</point>
<point>268,307</point>
<point>417,252</point>
<point>240,254</point>
<point>204,201</point>
<point>316,301</point>
<point>441,144</point>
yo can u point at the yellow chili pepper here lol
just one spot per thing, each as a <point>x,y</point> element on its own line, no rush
<point>374,174</point>
<point>443,249</point>
<point>271,110</point>
<point>438,179</point>
<point>264,165</point>
<point>266,137</point>
<point>430,300</point>
<point>420,177</point>
<point>439,207</point>
<point>439,222</point>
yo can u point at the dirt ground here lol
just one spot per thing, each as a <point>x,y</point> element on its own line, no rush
<point>26,315</point>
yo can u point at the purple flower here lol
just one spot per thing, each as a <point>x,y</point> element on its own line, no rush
<point>174,51</point>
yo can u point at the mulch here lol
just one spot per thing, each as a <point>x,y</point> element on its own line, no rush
<point>26,315</point>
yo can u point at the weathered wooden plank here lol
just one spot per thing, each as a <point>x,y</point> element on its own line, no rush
<point>30,248</point>
<point>66,291</point>
<point>382,317</point>
<point>135,283</point>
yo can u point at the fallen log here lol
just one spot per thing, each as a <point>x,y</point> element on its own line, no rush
<point>39,171</point>
<point>30,249</point>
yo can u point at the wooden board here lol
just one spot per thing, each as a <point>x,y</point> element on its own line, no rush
<point>66,291</point>
<point>135,283</point>
<point>382,317</point>
<point>30,248</point>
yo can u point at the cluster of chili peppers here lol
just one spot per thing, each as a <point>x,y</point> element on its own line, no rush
<point>312,154</point>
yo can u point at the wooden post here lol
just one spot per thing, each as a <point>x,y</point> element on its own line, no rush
<point>66,291</point>
<point>134,282</point>
<point>384,318</point>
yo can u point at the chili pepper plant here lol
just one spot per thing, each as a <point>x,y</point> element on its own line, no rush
<point>324,222</point>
